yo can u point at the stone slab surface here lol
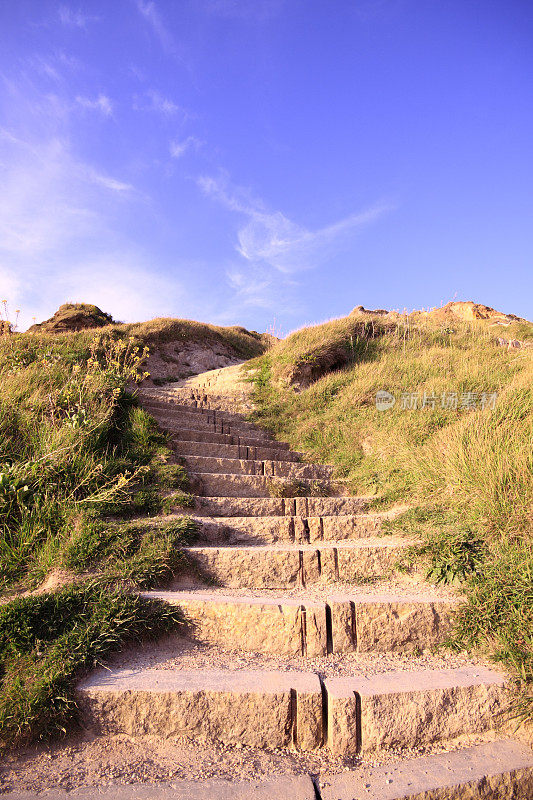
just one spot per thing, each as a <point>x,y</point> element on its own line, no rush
<point>251,466</point>
<point>409,709</point>
<point>501,770</point>
<point>190,434</point>
<point>296,625</point>
<point>169,411</point>
<point>254,708</point>
<point>265,529</point>
<point>284,787</point>
<point>304,507</point>
<point>239,506</point>
<point>388,622</point>
<point>285,626</point>
<point>284,566</point>
<point>223,450</point>
<point>191,421</point>
<point>228,485</point>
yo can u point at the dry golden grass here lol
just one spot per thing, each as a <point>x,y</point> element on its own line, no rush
<point>466,473</point>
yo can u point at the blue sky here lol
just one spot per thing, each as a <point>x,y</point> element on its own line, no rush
<point>265,162</point>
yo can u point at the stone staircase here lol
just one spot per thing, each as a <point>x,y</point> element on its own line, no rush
<point>333,643</point>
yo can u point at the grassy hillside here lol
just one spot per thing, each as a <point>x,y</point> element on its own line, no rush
<point>242,343</point>
<point>85,482</point>
<point>466,472</point>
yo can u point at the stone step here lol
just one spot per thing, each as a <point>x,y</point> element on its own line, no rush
<point>213,450</point>
<point>289,566</point>
<point>353,715</point>
<point>278,506</point>
<point>208,414</point>
<point>279,787</point>
<point>199,399</point>
<point>200,418</point>
<point>190,422</point>
<point>215,484</point>
<point>306,626</point>
<point>195,435</point>
<point>499,770</point>
<point>249,466</point>
<point>251,708</point>
<point>402,709</point>
<point>221,403</point>
<point>295,529</point>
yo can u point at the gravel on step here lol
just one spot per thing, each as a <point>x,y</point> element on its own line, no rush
<point>87,760</point>
<point>401,585</point>
<point>181,652</point>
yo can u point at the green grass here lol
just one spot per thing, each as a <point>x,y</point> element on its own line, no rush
<point>48,642</point>
<point>467,474</point>
<point>84,474</point>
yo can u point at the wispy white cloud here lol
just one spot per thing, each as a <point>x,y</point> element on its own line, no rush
<point>74,18</point>
<point>64,222</point>
<point>56,66</point>
<point>272,249</point>
<point>60,239</point>
<point>271,238</point>
<point>179,148</point>
<point>101,103</point>
<point>150,13</point>
<point>154,101</point>
<point>46,67</point>
<point>122,283</point>
<point>92,175</point>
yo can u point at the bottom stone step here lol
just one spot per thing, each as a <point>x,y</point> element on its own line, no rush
<point>280,787</point>
<point>501,770</point>
<point>401,709</point>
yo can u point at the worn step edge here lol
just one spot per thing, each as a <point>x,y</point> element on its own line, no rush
<point>216,507</point>
<point>200,418</point>
<point>249,466</point>
<point>286,528</point>
<point>223,484</point>
<point>171,419</point>
<point>196,435</point>
<point>499,770</point>
<point>255,708</point>
<point>403,709</point>
<point>174,426</point>
<point>222,450</point>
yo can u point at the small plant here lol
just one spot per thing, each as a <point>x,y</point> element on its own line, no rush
<point>17,493</point>
<point>457,560</point>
